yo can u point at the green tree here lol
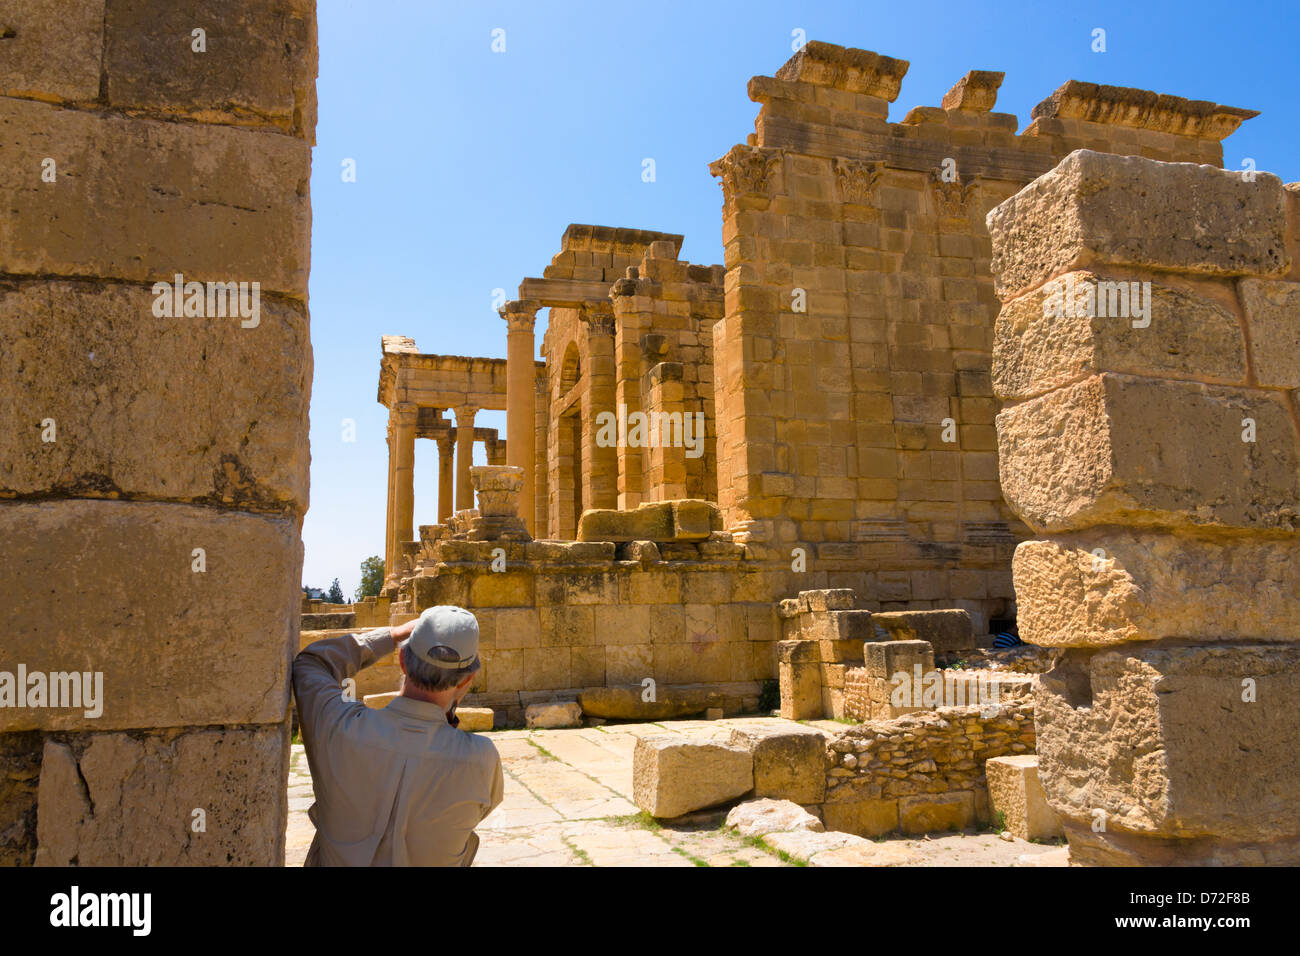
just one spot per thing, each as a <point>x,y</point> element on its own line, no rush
<point>336,593</point>
<point>372,578</point>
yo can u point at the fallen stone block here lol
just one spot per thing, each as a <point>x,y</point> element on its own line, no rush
<point>1105,586</point>
<point>946,630</point>
<point>1016,798</point>
<point>628,703</point>
<point>552,715</point>
<point>1115,449</point>
<point>840,849</point>
<point>789,762</point>
<point>760,817</point>
<point>676,775</point>
<point>863,817</point>
<point>935,812</point>
<point>475,718</point>
<point>657,521</point>
<point>1096,208</point>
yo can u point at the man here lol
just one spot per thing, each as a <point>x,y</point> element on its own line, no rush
<point>399,786</point>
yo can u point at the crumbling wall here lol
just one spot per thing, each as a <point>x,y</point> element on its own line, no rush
<point>855,409</point>
<point>1152,442</point>
<point>155,459</point>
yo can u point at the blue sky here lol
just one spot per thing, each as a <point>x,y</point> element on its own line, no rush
<point>470,163</point>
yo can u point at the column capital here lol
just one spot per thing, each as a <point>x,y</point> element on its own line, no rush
<point>464,415</point>
<point>520,314</point>
<point>599,317</point>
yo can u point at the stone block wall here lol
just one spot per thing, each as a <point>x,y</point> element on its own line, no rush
<point>563,617</point>
<point>1155,452</point>
<point>156,468</point>
<point>854,400</point>
<point>920,772</point>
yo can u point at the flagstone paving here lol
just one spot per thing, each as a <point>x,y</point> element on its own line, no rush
<point>568,802</point>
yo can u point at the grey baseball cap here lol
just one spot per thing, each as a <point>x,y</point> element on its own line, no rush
<point>446,636</point>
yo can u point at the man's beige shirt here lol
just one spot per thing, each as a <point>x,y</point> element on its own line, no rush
<point>397,786</point>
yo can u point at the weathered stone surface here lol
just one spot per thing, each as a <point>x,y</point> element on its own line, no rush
<point>1126,210</point>
<point>20,770</point>
<point>36,28</point>
<point>259,68</point>
<point>226,204</point>
<point>566,713</point>
<point>1273,317</point>
<point>659,521</point>
<point>800,682</point>
<point>1180,335</point>
<point>129,800</point>
<point>863,817</point>
<point>1161,741</point>
<point>331,621</point>
<point>1104,586</point>
<point>789,763</point>
<point>1016,798</point>
<point>845,68</point>
<point>839,849</point>
<point>932,812</point>
<point>884,659</point>
<point>627,703</point>
<point>675,775</point>
<point>761,817</point>
<point>475,718</point>
<point>945,630</point>
<point>1118,449</point>
<point>183,409</point>
<point>118,595</point>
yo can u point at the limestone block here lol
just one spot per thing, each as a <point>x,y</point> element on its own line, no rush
<point>1016,793</point>
<point>934,812</point>
<point>475,718</point>
<point>862,817</point>
<point>835,599</point>
<point>885,659</point>
<point>1190,744</point>
<point>121,385</point>
<point>676,775</point>
<point>1098,208</point>
<point>945,630</point>
<point>113,799</point>
<point>1118,449</point>
<point>53,48</point>
<point>761,817</point>
<point>334,620</point>
<point>560,713</point>
<point>117,594</point>
<point>1273,318</point>
<point>789,762</point>
<point>629,703</point>
<point>226,204</point>
<point>845,68</point>
<point>1052,336</point>
<point>150,63</point>
<point>658,521</point>
<point>801,687</point>
<point>1105,586</point>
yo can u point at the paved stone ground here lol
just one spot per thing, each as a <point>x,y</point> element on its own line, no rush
<point>568,802</point>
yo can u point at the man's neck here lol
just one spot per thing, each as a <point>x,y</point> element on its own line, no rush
<point>443,698</point>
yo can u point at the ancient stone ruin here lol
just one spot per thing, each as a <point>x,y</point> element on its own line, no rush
<point>778,483</point>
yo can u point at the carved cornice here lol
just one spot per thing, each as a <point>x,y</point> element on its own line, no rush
<point>857,179</point>
<point>747,172</point>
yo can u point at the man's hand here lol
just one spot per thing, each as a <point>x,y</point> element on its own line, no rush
<point>403,631</point>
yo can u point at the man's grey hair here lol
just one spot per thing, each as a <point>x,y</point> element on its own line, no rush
<point>433,679</point>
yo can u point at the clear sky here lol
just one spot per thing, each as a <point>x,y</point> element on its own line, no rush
<point>470,163</point>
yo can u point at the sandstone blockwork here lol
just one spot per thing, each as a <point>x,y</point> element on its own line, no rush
<point>1151,438</point>
<point>155,374</point>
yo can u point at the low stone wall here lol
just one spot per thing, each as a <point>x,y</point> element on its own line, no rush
<point>561,617</point>
<point>920,773</point>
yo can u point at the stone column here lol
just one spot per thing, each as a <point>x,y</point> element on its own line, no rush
<point>1150,442</point>
<point>390,514</point>
<point>403,418</point>
<point>520,405</point>
<point>464,455</point>
<point>599,462</point>
<point>446,464</point>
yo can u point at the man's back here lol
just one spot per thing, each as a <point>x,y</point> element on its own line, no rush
<point>394,787</point>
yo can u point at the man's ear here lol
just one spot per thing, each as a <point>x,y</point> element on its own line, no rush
<point>401,661</point>
<point>466,682</point>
